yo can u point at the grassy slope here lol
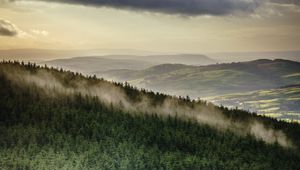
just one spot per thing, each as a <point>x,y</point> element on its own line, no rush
<point>214,79</point>
<point>78,132</point>
<point>282,103</point>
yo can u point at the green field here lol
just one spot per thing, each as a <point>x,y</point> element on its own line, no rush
<point>281,103</point>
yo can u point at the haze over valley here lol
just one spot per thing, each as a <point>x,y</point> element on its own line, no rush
<point>220,79</point>
<point>207,81</point>
<point>150,84</point>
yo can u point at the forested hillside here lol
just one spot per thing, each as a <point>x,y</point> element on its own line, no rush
<point>55,119</point>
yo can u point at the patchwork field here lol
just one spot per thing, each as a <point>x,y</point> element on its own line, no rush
<point>281,103</point>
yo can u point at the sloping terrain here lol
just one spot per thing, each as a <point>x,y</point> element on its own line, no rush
<point>57,119</point>
<point>281,103</point>
<point>219,79</point>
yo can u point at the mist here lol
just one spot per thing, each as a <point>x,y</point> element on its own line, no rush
<point>111,94</point>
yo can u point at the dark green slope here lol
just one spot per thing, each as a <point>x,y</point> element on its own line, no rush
<point>212,80</point>
<point>39,130</point>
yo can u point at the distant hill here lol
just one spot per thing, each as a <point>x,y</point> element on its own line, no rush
<point>94,64</point>
<point>42,55</point>
<point>188,59</point>
<point>56,119</point>
<point>50,54</point>
<point>89,65</point>
<point>247,56</point>
<point>211,80</point>
<point>35,54</point>
<point>38,55</point>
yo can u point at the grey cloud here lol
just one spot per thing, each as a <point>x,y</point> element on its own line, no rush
<point>294,2</point>
<point>177,7</point>
<point>7,28</point>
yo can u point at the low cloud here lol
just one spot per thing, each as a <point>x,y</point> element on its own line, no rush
<point>7,28</point>
<point>40,32</point>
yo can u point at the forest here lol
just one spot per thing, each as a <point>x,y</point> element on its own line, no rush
<point>56,119</point>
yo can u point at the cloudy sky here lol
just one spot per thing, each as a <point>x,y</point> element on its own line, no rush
<point>193,26</point>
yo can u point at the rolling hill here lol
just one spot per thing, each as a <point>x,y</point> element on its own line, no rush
<point>88,65</point>
<point>92,64</point>
<point>188,59</point>
<point>58,119</point>
<point>246,56</point>
<point>130,59</point>
<point>211,80</point>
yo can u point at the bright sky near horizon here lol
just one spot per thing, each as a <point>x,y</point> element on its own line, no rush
<point>154,25</point>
